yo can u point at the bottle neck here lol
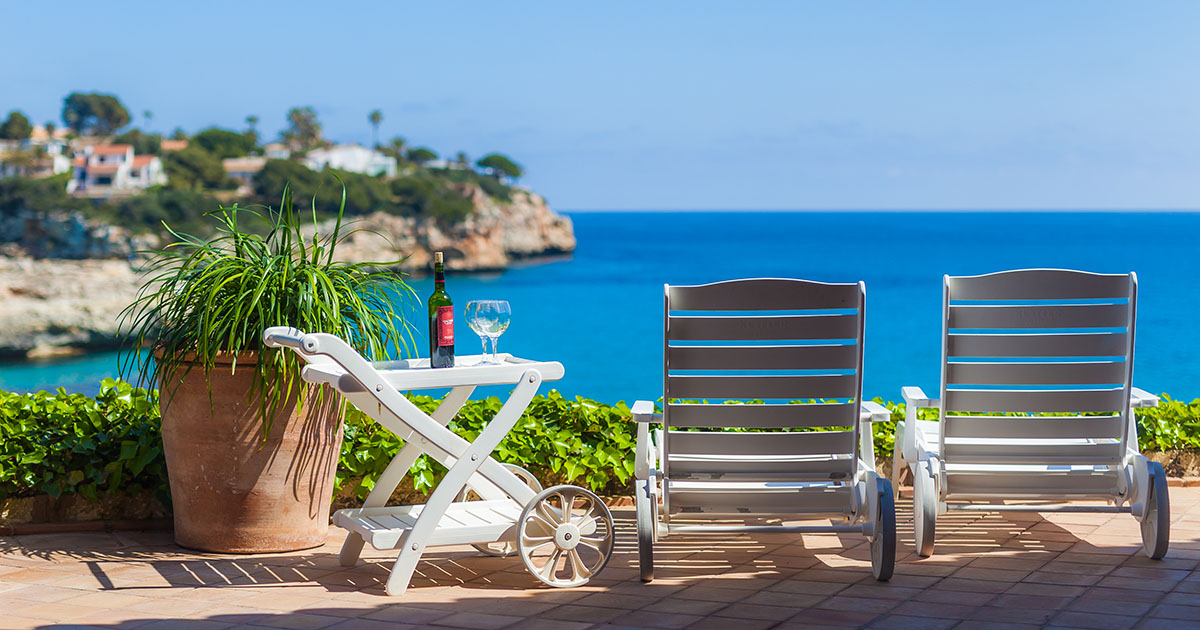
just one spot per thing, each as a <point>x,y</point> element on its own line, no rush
<point>439,277</point>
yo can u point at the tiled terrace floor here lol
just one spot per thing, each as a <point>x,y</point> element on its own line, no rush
<point>999,571</point>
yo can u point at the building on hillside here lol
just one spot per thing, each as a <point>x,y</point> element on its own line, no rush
<point>105,170</point>
<point>353,158</point>
<point>42,154</point>
<point>277,151</point>
<point>243,170</point>
<point>167,146</point>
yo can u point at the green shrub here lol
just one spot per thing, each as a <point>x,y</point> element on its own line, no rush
<point>59,443</point>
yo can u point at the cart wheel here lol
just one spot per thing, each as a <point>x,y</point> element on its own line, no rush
<point>565,536</point>
<point>1156,523</point>
<point>925,505</point>
<point>501,549</point>
<point>647,522</point>
<point>883,545</point>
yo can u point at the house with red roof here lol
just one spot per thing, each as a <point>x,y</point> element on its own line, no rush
<point>105,170</point>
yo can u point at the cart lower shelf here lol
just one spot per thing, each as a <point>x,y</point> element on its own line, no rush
<point>463,523</point>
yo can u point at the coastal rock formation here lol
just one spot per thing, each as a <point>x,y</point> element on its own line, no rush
<point>54,307</point>
<point>495,234</point>
<point>50,305</point>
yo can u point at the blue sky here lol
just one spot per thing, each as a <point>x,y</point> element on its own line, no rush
<point>746,105</point>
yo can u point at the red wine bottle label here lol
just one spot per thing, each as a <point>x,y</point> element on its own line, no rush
<point>445,328</point>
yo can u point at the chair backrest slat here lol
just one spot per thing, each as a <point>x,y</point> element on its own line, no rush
<point>1037,341</point>
<point>769,339</point>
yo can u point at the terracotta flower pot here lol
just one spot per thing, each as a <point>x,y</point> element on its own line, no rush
<point>232,492</point>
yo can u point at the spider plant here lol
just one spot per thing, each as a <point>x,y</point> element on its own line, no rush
<point>211,297</point>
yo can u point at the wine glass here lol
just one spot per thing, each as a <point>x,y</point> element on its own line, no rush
<point>480,323</point>
<point>495,316</point>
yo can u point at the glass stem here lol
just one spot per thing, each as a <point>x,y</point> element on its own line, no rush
<point>495,354</point>
<point>484,340</point>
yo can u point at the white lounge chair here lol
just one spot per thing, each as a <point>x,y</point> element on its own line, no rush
<point>1020,343</point>
<point>793,339</point>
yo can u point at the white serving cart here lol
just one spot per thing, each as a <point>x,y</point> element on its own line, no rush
<point>563,534</point>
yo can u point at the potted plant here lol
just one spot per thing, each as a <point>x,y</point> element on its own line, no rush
<point>252,450</point>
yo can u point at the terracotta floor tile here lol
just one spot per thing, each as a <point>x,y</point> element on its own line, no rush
<point>1076,619</point>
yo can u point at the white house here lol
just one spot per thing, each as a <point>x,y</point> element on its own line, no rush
<point>40,155</point>
<point>106,169</point>
<point>353,158</point>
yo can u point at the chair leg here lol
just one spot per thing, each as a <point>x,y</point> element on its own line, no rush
<point>899,467</point>
<point>351,549</point>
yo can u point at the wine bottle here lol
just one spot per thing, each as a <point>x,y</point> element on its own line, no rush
<point>441,318</point>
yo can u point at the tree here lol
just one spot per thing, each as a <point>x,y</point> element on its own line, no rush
<point>50,128</point>
<point>194,168</point>
<point>179,134</point>
<point>304,131</point>
<point>395,148</point>
<point>224,143</point>
<point>17,127</point>
<point>375,117</point>
<point>421,155</point>
<point>99,114</point>
<point>462,160</point>
<point>252,122</point>
<point>500,165</point>
<point>148,115</point>
<point>143,143</point>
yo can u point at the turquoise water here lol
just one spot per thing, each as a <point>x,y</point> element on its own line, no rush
<point>600,311</point>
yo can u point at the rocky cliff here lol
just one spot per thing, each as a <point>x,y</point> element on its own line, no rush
<point>51,304</point>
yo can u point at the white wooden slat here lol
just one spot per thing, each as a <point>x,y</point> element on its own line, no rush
<point>815,357</point>
<point>766,499</point>
<point>1057,452</point>
<point>807,467</point>
<point>1073,373</point>
<point>1032,401</point>
<point>1047,483</point>
<point>1031,427</point>
<point>1035,345</point>
<point>1039,284</point>
<point>763,294</point>
<point>761,327</point>
<point>1040,316</point>
<point>769,416</point>
<point>728,444</point>
<point>761,387</point>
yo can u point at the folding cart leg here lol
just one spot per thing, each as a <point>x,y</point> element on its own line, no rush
<point>398,468</point>
<point>413,544</point>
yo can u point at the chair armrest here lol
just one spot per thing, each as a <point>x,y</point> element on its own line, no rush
<point>871,411</point>
<point>643,411</point>
<point>1139,398</point>
<point>915,396</point>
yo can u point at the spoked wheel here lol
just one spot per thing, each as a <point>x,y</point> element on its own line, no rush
<point>565,536</point>
<point>1156,523</point>
<point>502,549</point>
<point>925,505</point>
<point>647,521</point>
<point>883,544</point>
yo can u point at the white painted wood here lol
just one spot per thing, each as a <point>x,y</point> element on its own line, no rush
<point>1039,316</point>
<point>1035,401</point>
<point>763,294</point>
<point>462,523</point>
<point>763,327</point>
<point>1039,284</point>
<point>782,357</point>
<point>1058,373</point>
<point>1104,344</point>
<point>997,427</point>
<point>766,416</point>
<point>761,387</point>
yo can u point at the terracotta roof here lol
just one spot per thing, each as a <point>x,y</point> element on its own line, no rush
<point>173,145</point>
<point>110,149</point>
<point>142,160</point>
<point>103,169</point>
<point>79,160</point>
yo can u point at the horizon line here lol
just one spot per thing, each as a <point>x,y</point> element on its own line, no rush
<point>909,210</point>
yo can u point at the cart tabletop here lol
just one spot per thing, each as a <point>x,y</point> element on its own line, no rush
<point>407,374</point>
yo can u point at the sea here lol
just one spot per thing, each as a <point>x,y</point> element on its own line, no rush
<point>599,311</point>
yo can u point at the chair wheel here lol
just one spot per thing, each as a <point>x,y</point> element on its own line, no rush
<point>565,536</point>
<point>925,501</point>
<point>646,523</point>
<point>1156,523</point>
<point>883,545</point>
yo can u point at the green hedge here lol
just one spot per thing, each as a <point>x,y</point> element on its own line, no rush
<point>58,443</point>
